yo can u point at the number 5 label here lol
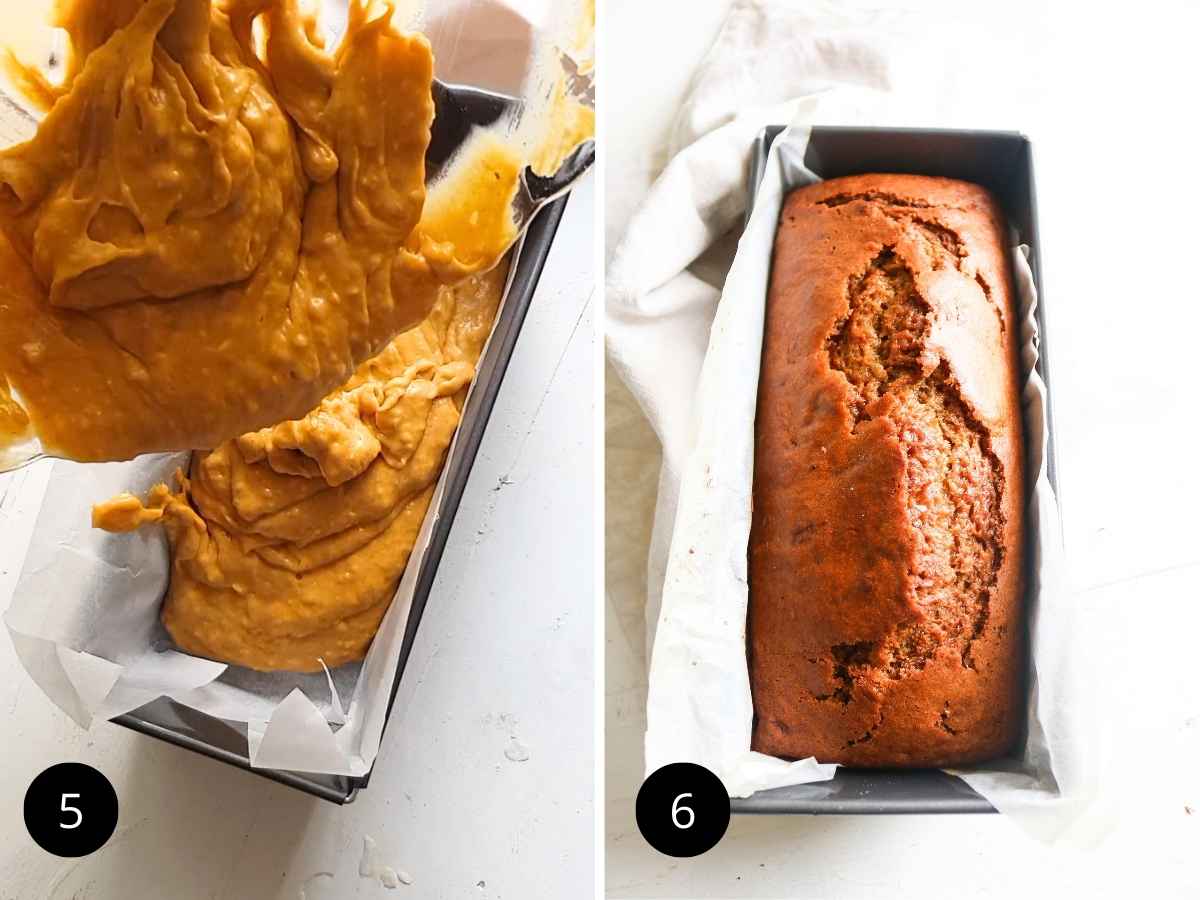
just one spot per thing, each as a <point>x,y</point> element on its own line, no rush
<point>71,809</point>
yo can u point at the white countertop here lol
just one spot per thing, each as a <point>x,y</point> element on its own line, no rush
<point>504,650</point>
<point>1104,99</point>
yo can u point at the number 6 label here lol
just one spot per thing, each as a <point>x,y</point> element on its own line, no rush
<point>676,809</point>
<point>683,810</point>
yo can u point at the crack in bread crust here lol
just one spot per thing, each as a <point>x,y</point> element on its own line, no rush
<point>944,720</point>
<point>879,341</point>
<point>874,197</point>
<point>943,242</point>
<point>850,661</point>
<point>953,481</point>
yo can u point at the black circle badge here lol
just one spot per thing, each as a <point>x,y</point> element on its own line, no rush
<point>682,810</point>
<point>71,810</point>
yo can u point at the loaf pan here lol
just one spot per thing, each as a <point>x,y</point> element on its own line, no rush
<point>1001,161</point>
<point>226,741</point>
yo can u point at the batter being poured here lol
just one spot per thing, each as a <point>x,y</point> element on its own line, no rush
<point>219,220</point>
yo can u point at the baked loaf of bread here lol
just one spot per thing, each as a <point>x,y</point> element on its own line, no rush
<point>885,560</point>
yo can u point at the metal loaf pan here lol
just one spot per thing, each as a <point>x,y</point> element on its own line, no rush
<point>1001,161</point>
<point>458,109</point>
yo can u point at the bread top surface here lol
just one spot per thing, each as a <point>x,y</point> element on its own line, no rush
<point>885,552</point>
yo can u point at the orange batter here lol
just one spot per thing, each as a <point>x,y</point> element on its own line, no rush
<point>287,543</point>
<point>14,423</point>
<point>216,223</point>
<point>568,123</point>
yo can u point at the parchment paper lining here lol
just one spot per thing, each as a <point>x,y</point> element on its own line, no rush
<point>84,618</point>
<point>699,705</point>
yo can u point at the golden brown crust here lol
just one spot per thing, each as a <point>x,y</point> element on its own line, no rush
<point>886,549</point>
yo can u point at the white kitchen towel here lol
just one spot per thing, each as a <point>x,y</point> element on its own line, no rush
<point>801,63</point>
